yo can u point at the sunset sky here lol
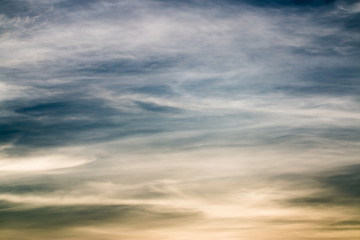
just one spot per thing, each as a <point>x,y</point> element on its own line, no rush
<point>179,120</point>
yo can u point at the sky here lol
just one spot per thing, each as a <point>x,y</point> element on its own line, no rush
<point>179,120</point>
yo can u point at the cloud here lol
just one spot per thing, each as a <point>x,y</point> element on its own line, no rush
<point>335,188</point>
<point>339,187</point>
<point>138,114</point>
<point>40,122</point>
<point>70,216</point>
<point>71,221</point>
<point>44,163</point>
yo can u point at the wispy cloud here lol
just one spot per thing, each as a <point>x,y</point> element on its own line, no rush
<point>179,119</point>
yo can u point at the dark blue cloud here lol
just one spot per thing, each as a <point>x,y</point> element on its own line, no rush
<point>257,3</point>
<point>343,80</point>
<point>331,81</point>
<point>284,3</point>
<point>352,22</point>
<point>70,119</point>
<point>125,66</point>
<point>78,5</point>
<point>66,109</point>
<point>15,8</point>
<point>154,90</point>
<point>151,107</point>
<point>50,122</point>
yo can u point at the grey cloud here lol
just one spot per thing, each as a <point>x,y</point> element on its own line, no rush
<point>336,187</point>
<point>345,181</point>
<point>27,188</point>
<point>326,225</point>
<point>49,218</point>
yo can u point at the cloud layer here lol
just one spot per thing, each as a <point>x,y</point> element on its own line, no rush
<point>179,120</point>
